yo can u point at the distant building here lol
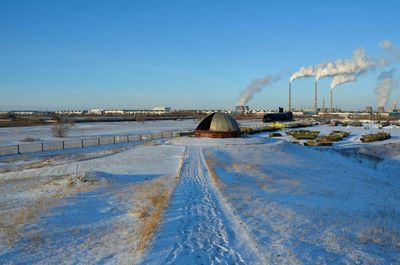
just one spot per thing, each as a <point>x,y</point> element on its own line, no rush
<point>369,109</point>
<point>95,111</point>
<point>69,112</point>
<point>242,108</point>
<point>113,112</point>
<point>279,116</point>
<point>23,112</point>
<point>162,109</point>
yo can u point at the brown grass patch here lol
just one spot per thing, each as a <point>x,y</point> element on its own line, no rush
<point>47,194</point>
<point>156,196</point>
<point>9,229</point>
<point>214,177</point>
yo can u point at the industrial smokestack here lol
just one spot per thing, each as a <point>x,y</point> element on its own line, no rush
<point>381,109</point>
<point>290,97</point>
<point>315,97</point>
<point>331,104</point>
<point>323,105</point>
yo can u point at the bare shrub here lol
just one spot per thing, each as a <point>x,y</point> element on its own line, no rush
<point>61,127</point>
<point>29,140</point>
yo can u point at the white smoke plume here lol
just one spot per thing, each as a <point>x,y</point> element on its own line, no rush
<point>303,72</point>
<point>391,49</point>
<point>342,79</point>
<point>256,85</point>
<point>384,87</point>
<point>357,65</point>
<point>307,72</point>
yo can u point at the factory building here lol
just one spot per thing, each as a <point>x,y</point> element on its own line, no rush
<point>280,116</point>
<point>242,108</point>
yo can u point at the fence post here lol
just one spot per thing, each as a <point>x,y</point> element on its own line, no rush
<point>82,142</point>
<point>114,139</point>
<point>63,145</point>
<point>98,141</point>
<point>140,137</point>
<point>18,151</point>
<point>42,147</point>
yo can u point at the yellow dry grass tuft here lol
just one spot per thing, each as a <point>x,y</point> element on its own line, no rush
<point>156,196</point>
<point>214,177</point>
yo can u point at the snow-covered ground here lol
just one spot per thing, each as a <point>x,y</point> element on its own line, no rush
<point>254,200</point>
<point>13,135</point>
<point>94,210</point>
<point>309,206</point>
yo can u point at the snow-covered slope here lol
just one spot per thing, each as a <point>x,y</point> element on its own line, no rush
<point>310,206</point>
<point>255,200</point>
<point>90,211</point>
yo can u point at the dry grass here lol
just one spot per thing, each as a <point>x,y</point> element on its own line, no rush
<point>214,177</point>
<point>381,228</point>
<point>47,194</point>
<point>9,229</point>
<point>156,197</point>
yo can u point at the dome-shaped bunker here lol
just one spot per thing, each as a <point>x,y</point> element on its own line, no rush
<point>218,125</point>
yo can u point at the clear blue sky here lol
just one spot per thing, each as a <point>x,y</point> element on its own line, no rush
<point>183,54</point>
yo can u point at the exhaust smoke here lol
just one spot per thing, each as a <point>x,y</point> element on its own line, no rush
<point>255,86</point>
<point>384,87</point>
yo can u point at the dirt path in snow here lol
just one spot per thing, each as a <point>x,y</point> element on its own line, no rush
<point>197,228</point>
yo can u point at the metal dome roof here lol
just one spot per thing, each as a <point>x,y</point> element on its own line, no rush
<point>219,122</point>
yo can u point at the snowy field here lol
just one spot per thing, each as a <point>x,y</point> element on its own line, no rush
<point>254,200</point>
<point>14,135</point>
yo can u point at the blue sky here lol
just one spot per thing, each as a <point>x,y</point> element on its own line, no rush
<point>183,54</point>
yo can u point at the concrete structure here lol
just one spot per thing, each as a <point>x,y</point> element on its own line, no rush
<point>218,125</point>
<point>381,109</point>
<point>316,97</point>
<point>369,109</point>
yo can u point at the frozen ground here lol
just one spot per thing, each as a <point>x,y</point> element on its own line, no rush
<point>97,210</point>
<point>254,200</point>
<point>13,135</point>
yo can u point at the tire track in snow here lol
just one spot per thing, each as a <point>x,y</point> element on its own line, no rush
<point>196,229</point>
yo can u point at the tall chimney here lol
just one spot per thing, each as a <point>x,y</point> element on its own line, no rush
<point>290,97</point>
<point>323,105</point>
<point>331,106</point>
<point>315,97</point>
